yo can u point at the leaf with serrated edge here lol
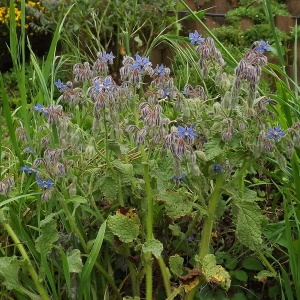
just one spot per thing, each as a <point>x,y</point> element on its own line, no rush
<point>248,226</point>
<point>124,228</point>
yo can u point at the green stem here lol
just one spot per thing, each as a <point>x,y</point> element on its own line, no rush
<point>149,223</point>
<point>109,280</point>
<point>208,226</point>
<point>165,275</point>
<point>72,223</point>
<point>266,262</point>
<point>209,219</point>
<point>31,270</point>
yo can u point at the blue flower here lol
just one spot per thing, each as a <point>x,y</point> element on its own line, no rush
<point>27,149</point>
<point>107,57</point>
<point>61,87</point>
<point>45,184</point>
<point>40,109</point>
<point>190,239</point>
<point>141,63</point>
<point>217,168</point>
<point>196,38</point>
<point>275,133</point>
<point>160,71</point>
<point>186,132</point>
<point>179,178</point>
<point>264,46</point>
<point>28,170</point>
<point>166,93</point>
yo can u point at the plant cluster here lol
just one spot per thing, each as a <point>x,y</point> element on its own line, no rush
<point>129,179</point>
<point>232,33</point>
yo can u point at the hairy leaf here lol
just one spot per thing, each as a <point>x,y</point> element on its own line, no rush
<point>49,235</point>
<point>124,228</point>
<point>153,246</point>
<point>215,273</point>
<point>177,204</point>
<point>176,264</point>
<point>213,149</point>
<point>125,170</point>
<point>108,188</point>
<point>9,270</point>
<point>248,225</point>
<point>74,261</point>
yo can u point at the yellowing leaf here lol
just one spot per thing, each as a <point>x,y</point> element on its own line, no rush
<point>214,273</point>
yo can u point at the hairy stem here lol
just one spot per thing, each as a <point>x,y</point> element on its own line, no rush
<point>149,223</point>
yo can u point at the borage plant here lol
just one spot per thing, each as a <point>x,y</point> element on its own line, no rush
<point>161,167</point>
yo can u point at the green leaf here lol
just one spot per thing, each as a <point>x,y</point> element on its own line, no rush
<point>108,188</point>
<point>77,199</point>
<point>90,262</point>
<point>74,261</point>
<point>124,228</point>
<point>248,225</point>
<point>239,296</point>
<point>252,263</point>
<point>125,170</point>
<point>49,235</point>
<point>240,275</point>
<point>9,270</point>
<point>153,246</point>
<point>213,149</point>
<point>215,273</point>
<point>263,275</point>
<point>231,263</point>
<point>177,204</point>
<point>176,264</point>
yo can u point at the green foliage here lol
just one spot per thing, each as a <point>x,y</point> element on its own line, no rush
<point>124,228</point>
<point>174,176</point>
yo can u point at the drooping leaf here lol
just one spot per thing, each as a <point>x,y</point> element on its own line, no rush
<point>124,228</point>
<point>153,246</point>
<point>49,235</point>
<point>176,264</point>
<point>74,261</point>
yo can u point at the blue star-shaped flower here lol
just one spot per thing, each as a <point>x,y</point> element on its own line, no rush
<point>185,132</point>
<point>45,184</point>
<point>141,63</point>
<point>59,84</point>
<point>196,38</point>
<point>107,57</point>
<point>275,133</point>
<point>28,170</point>
<point>264,46</point>
<point>160,70</point>
<point>179,179</point>
<point>40,109</point>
